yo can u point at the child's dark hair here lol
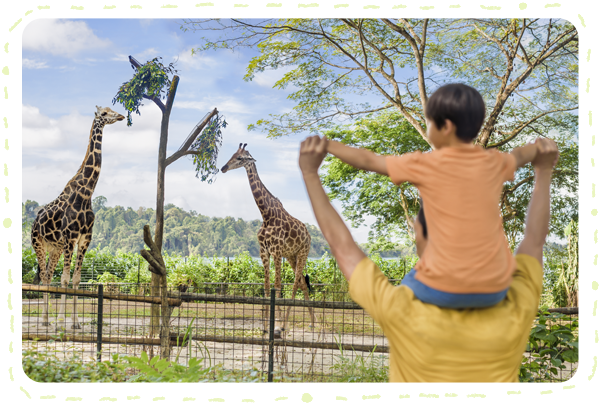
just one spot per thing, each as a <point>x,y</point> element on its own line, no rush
<point>459,103</point>
<point>421,218</point>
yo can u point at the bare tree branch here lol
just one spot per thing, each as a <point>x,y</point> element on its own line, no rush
<point>190,139</point>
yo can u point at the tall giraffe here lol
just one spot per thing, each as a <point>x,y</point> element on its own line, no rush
<point>68,220</point>
<point>280,235</point>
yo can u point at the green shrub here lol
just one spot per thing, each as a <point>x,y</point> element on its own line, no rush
<point>46,367</point>
<point>552,343</point>
<point>373,368</point>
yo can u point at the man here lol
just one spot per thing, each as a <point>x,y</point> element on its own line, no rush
<point>429,343</point>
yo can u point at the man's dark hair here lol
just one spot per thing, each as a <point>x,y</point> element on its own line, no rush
<point>421,218</point>
<point>459,103</point>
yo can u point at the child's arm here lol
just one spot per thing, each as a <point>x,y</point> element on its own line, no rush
<point>360,158</point>
<point>525,154</point>
<point>344,249</point>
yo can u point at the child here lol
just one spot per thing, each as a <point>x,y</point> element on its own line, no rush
<point>467,262</point>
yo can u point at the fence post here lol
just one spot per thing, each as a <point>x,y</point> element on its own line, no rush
<point>138,273</point>
<point>100,310</point>
<point>271,334</point>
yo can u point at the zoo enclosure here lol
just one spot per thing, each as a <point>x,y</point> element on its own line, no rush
<point>223,324</point>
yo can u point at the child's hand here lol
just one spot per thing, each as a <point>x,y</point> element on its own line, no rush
<point>312,152</point>
<point>547,154</point>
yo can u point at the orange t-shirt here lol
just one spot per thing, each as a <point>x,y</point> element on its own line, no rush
<point>467,251</point>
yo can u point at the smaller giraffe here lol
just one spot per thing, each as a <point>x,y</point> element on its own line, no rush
<point>68,220</point>
<point>280,235</point>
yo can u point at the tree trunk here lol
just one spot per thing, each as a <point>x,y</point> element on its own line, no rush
<point>159,282</point>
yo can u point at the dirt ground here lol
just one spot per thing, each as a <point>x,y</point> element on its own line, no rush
<point>121,319</point>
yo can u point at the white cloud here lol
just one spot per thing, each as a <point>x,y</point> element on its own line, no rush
<point>225,105</point>
<point>142,57</point>
<point>61,37</point>
<point>198,61</point>
<point>34,64</point>
<point>268,78</point>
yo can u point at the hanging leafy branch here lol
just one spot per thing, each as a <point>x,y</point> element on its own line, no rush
<point>206,147</point>
<point>151,81</point>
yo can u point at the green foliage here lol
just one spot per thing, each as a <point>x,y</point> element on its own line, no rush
<point>357,368</point>
<point>553,342</point>
<point>334,65</point>
<point>107,277</point>
<point>561,271</point>
<point>207,146</point>
<point>41,366</point>
<point>151,80</point>
<point>118,229</point>
<point>364,194</point>
<point>47,367</point>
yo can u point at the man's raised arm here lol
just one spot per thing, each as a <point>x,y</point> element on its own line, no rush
<point>538,212</point>
<point>344,249</point>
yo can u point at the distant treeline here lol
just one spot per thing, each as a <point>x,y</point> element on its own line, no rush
<point>185,233</point>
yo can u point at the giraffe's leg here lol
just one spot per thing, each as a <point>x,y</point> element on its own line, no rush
<point>292,261</point>
<point>82,247</point>
<point>302,283</point>
<point>46,271</point>
<point>41,274</point>
<point>264,256</point>
<point>46,277</point>
<point>61,320</point>
<point>279,292</point>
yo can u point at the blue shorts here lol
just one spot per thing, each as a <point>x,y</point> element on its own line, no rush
<point>449,300</point>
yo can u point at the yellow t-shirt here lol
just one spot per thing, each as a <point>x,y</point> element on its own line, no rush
<point>467,252</point>
<point>432,344</point>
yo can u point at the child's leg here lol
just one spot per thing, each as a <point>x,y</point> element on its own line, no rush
<point>449,300</point>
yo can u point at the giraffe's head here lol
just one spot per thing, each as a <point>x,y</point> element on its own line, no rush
<point>107,116</point>
<point>241,158</point>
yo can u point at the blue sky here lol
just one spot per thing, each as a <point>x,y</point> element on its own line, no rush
<point>70,66</point>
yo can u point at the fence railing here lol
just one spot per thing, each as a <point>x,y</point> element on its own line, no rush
<point>226,326</point>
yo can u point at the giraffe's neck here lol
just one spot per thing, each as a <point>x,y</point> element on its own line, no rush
<point>265,201</point>
<point>89,171</point>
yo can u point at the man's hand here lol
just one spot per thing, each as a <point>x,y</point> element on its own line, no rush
<point>547,154</point>
<point>312,153</point>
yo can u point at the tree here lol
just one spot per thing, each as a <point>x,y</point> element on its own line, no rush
<point>364,193</point>
<point>153,81</point>
<point>526,70</point>
<point>98,203</point>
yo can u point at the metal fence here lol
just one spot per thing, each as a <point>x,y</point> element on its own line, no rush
<point>231,325</point>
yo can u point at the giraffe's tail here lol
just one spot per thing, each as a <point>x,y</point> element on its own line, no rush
<point>37,279</point>
<point>307,279</point>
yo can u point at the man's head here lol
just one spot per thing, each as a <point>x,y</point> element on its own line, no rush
<point>457,109</point>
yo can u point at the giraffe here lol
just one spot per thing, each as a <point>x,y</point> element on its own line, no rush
<point>280,235</point>
<point>68,220</point>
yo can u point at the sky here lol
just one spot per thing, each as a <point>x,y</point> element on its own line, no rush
<point>71,66</point>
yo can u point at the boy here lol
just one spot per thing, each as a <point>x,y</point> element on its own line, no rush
<point>428,343</point>
<point>467,262</point>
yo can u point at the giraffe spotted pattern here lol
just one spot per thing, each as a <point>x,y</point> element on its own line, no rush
<point>68,220</point>
<point>280,235</point>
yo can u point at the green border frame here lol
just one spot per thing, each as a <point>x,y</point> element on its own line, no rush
<point>587,391</point>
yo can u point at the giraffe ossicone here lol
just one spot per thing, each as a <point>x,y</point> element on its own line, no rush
<point>67,221</point>
<point>280,235</point>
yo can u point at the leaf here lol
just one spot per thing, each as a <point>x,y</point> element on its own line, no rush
<point>570,356</point>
